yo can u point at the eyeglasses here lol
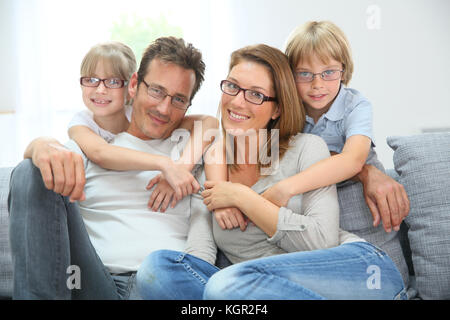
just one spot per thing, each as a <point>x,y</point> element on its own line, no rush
<point>327,75</point>
<point>251,96</point>
<point>159,94</point>
<point>112,83</point>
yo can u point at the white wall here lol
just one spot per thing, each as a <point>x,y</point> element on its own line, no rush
<point>402,67</point>
<point>8,78</point>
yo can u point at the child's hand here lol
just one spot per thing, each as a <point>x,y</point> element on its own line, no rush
<point>230,218</point>
<point>162,195</point>
<point>180,179</point>
<point>277,194</point>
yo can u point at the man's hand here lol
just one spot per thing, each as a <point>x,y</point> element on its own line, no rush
<point>61,169</point>
<point>162,196</point>
<point>386,198</point>
<point>172,185</point>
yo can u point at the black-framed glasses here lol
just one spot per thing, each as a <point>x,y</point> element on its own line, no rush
<point>327,75</point>
<point>112,83</point>
<point>159,94</point>
<point>251,96</point>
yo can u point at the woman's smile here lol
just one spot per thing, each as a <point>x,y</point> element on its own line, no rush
<point>234,116</point>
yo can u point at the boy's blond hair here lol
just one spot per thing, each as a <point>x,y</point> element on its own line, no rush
<point>324,39</point>
<point>119,60</point>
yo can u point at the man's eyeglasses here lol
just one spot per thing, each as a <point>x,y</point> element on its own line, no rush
<point>159,94</point>
<point>251,96</point>
<point>327,75</point>
<point>112,83</point>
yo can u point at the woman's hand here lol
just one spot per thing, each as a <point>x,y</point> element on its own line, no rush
<point>230,218</point>
<point>278,194</point>
<point>222,194</point>
<point>162,195</point>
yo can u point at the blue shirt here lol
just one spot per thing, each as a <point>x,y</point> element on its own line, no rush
<point>350,114</point>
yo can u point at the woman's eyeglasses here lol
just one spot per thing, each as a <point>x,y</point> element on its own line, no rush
<point>251,96</point>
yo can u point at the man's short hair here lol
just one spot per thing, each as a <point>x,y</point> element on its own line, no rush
<point>176,51</point>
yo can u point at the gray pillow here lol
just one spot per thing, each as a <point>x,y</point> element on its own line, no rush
<point>6,275</point>
<point>423,164</point>
<point>355,217</point>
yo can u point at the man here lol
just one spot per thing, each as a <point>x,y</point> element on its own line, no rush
<point>62,250</point>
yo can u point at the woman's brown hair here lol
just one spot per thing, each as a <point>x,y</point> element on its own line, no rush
<point>292,114</point>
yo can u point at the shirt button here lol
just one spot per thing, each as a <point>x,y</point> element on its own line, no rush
<point>302,227</point>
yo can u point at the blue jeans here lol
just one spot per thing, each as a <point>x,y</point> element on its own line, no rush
<point>355,270</point>
<point>48,237</point>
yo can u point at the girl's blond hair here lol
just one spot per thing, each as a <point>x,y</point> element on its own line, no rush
<point>321,38</point>
<point>118,58</point>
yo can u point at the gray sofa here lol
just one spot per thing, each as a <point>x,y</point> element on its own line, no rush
<point>421,247</point>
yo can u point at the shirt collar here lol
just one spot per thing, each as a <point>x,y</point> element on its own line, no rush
<point>337,109</point>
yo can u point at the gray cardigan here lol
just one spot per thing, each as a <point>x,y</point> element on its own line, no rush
<point>310,221</point>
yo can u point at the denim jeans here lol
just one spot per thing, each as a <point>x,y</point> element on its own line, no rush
<point>355,270</point>
<point>53,257</point>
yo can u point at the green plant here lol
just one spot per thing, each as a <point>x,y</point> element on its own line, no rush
<point>138,32</point>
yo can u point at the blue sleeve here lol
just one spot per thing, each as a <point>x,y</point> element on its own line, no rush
<point>359,120</point>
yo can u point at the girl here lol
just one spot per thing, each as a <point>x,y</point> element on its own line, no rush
<point>105,72</point>
<point>320,57</point>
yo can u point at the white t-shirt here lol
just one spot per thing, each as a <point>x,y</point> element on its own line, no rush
<point>122,229</point>
<point>86,118</point>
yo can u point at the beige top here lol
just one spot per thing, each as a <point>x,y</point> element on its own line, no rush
<point>310,221</point>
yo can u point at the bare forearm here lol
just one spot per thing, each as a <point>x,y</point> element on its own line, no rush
<point>34,145</point>
<point>261,211</point>
<point>124,159</point>
<point>363,174</point>
<point>324,173</point>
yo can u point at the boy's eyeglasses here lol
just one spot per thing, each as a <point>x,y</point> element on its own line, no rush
<point>159,94</point>
<point>112,83</point>
<point>327,75</point>
<point>251,96</point>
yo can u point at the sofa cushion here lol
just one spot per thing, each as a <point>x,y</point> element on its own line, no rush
<point>423,164</point>
<point>5,250</point>
<point>403,233</point>
<point>355,217</point>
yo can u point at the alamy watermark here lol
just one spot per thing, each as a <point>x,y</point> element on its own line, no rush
<point>241,146</point>
<point>74,280</point>
<point>374,280</point>
<point>373,21</point>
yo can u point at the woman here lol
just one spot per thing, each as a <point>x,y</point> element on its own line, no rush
<point>292,252</point>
